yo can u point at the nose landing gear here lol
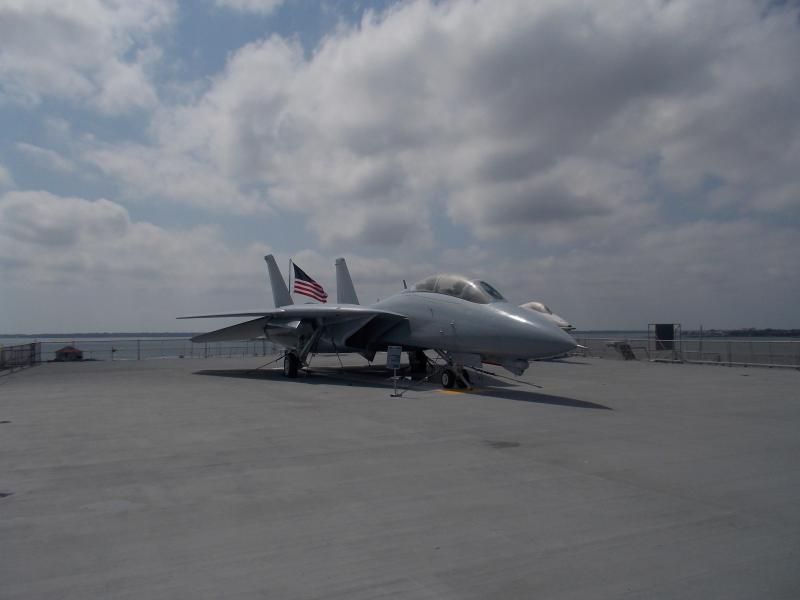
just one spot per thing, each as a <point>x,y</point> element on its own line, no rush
<point>455,376</point>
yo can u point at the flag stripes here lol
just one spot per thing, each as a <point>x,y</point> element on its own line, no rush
<point>303,284</point>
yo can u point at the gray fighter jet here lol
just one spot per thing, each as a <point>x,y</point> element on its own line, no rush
<point>467,322</point>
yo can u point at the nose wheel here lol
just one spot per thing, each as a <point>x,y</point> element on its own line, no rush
<point>448,379</point>
<point>455,377</point>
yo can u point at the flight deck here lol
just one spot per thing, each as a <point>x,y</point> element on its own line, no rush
<point>586,478</point>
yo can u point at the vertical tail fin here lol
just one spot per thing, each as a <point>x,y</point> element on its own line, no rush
<point>280,293</point>
<point>345,292</point>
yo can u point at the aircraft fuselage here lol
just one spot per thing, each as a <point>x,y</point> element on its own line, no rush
<point>496,330</point>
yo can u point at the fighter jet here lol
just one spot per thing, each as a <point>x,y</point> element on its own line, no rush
<point>467,322</point>
<point>545,310</point>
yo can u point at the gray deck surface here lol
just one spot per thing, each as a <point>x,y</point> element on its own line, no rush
<point>196,479</point>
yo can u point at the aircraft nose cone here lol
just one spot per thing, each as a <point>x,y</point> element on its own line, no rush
<point>560,341</point>
<point>535,336</point>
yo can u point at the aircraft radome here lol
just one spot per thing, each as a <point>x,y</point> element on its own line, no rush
<point>467,322</point>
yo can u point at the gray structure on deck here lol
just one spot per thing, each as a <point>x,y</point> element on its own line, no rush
<point>203,479</point>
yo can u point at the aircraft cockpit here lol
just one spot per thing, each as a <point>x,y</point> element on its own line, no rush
<point>473,290</point>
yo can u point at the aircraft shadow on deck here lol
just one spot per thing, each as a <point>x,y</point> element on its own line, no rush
<point>538,398</point>
<point>378,377</point>
<point>363,376</point>
<point>566,361</point>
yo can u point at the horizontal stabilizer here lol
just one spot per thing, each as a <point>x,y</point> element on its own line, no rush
<point>243,331</point>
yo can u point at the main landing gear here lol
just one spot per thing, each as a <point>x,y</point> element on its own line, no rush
<point>291,364</point>
<point>297,356</point>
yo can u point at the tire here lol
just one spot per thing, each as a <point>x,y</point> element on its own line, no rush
<point>290,366</point>
<point>448,379</point>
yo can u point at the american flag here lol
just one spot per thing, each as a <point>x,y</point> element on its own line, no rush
<point>303,284</point>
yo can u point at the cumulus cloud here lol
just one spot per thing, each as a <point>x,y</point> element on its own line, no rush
<point>6,181</point>
<point>101,269</point>
<point>104,270</point>
<point>698,273</point>
<point>59,239</point>
<point>263,7</point>
<point>172,175</point>
<point>50,159</point>
<point>44,219</point>
<point>92,51</point>
<point>568,119</point>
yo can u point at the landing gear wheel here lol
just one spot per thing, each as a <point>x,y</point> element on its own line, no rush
<point>290,365</point>
<point>448,379</point>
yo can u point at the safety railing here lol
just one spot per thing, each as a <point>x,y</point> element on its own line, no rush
<point>18,356</point>
<point>720,351</point>
<point>113,349</point>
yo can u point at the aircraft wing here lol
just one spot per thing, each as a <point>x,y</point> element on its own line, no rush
<point>290,317</point>
<point>243,331</point>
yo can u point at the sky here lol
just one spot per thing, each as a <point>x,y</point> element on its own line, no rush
<point>626,162</point>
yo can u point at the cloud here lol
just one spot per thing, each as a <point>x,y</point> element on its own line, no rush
<point>70,263</point>
<point>704,272</point>
<point>568,119</point>
<point>263,7</point>
<point>91,52</point>
<point>95,240</point>
<point>561,149</point>
<point>106,271</point>
<point>574,198</point>
<point>45,157</point>
<point>184,178</point>
<point>46,220</point>
<point>6,181</point>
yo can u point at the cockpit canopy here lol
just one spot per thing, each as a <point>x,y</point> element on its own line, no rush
<point>473,290</point>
